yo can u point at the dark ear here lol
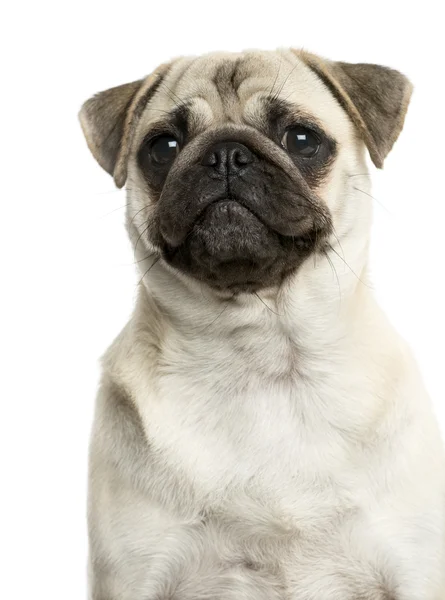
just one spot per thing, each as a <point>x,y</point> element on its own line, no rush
<point>376,99</point>
<point>109,121</point>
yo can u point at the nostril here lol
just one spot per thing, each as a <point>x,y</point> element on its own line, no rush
<point>241,158</point>
<point>210,159</point>
<point>227,157</point>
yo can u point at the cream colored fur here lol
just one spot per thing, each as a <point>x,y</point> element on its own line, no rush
<point>275,447</point>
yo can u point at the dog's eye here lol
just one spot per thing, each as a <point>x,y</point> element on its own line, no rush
<point>164,149</point>
<point>302,141</point>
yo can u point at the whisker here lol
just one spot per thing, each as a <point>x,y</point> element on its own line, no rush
<point>352,271</point>
<point>334,233</point>
<point>373,197</point>
<point>115,210</point>
<point>140,235</point>
<point>136,214</point>
<point>148,270</point>
<point>268,307</point>
<point>216,318</point>
<point>148,223</point>
<point>334,270</point>
<point>276,77</point>
<point>145,258</point>
<point>171,93</point>
<point>165,112</point>
<point>284,82</point>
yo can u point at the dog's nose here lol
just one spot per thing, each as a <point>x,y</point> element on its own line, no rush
<point>228,158</point>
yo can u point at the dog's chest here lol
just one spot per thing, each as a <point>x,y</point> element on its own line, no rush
<point>280,479</point>
<point>282,468</point>
<point>272,439</point>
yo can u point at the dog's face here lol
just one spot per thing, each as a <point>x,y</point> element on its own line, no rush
<point>239,165</point>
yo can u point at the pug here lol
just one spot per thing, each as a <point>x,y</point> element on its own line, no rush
<point>261,431</point>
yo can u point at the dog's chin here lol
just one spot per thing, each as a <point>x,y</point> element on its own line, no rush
<point>232,250</point>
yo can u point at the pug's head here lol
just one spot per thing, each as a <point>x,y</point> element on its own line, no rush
<point>239,166</point>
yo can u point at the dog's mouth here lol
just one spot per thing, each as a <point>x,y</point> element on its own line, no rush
<point>232,249</point>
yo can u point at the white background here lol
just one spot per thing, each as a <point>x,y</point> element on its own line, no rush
<point>67,273</point>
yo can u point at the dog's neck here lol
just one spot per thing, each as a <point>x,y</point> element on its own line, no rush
<point>312,313</point>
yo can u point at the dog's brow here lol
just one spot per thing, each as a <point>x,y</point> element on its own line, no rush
<point>276,110</point>
<point>179,116</point>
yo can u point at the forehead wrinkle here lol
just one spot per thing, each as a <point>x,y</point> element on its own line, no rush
<point>225,82</point>
<point>257,111</point>
<point>228,87</point>
<point>200,115</point>
<point>252,75</point>
<point>205,90</point>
